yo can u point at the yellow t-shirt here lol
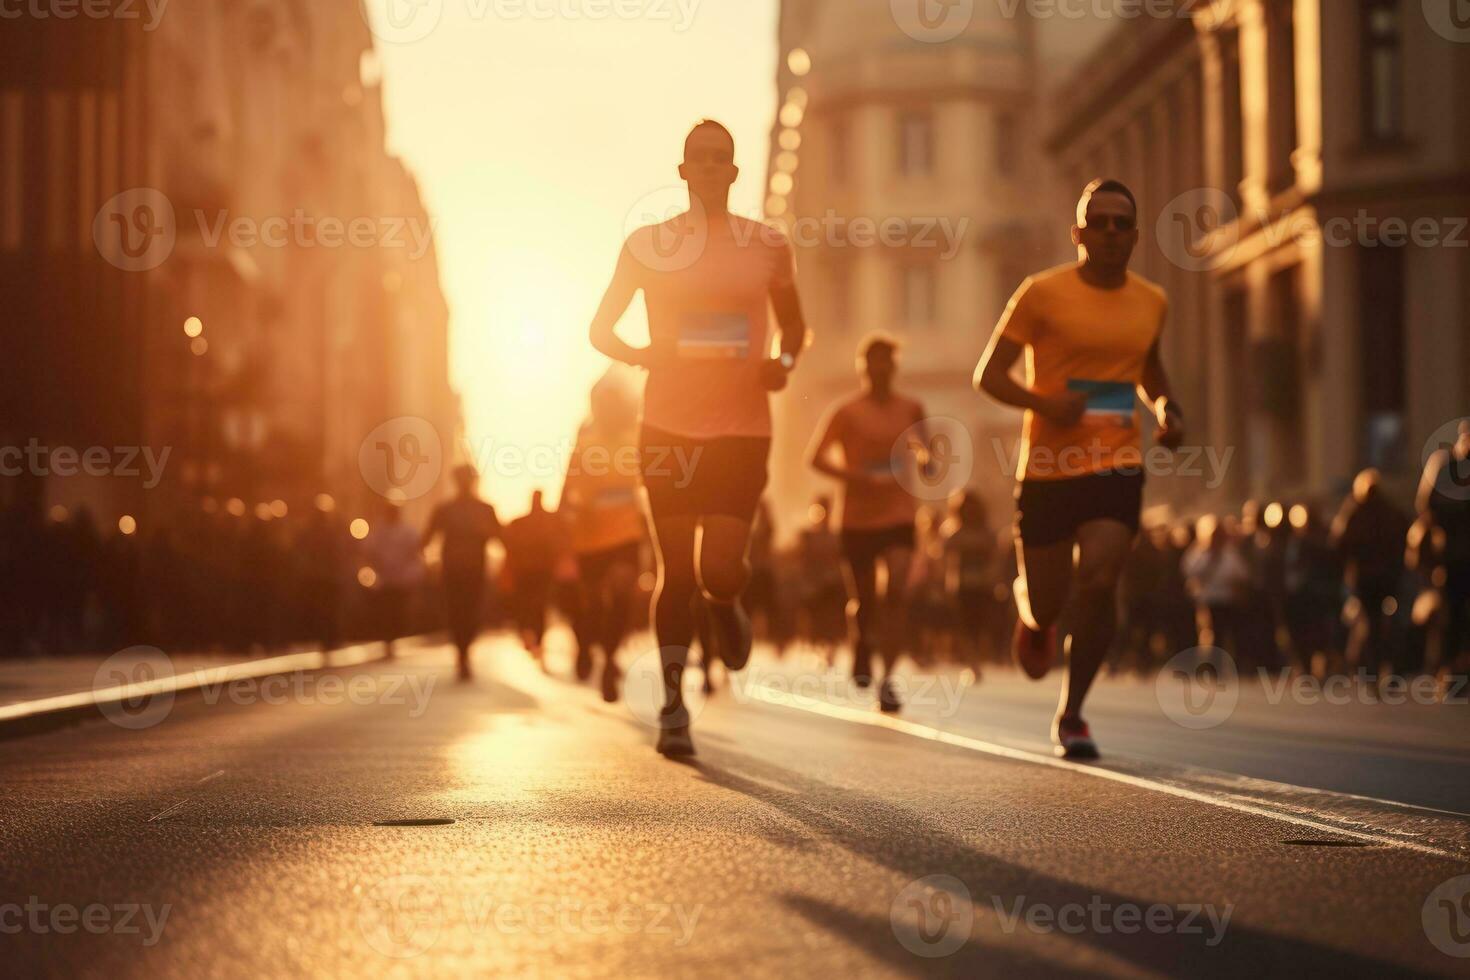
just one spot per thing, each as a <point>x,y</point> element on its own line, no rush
<point>1081,338</point>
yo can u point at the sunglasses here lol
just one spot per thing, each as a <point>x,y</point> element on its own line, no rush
<point>1112,222</point>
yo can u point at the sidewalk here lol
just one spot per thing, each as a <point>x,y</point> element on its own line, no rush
<point>42,691</point>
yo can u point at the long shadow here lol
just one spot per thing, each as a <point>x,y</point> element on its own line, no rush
<point>895,838</point>
<point>874,936</point>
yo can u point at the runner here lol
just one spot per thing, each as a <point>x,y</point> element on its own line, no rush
<point>706,433</point>
<point>969,579</point>
<point>871,432</point>
<point>600,498</point>
<point>535,544</point>
<point>1444,497</point>
<point>467,524</point>
<point>1090,331</point>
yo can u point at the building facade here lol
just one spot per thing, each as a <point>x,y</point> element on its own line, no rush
<point>910,171</point>
<point>1303,172</point>
<point>206,250</point>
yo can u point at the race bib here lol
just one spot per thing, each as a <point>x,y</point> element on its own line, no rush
<point>1107,401</point>
<point>714,336</point>
<point>612,497</point>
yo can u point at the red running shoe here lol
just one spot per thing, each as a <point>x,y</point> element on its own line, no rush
<point>1073,739</point>
<point>1033,651</point>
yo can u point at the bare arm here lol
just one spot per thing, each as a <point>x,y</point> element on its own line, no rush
<point>789,318</point>
<point>993,377</point>
<point>821,457</point>
<point>614,304</point>
<point>1424,499</point>
<point>1159,394</point>
<point>791,323</point>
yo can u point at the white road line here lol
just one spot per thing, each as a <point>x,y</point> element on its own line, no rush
<point>860,717</point>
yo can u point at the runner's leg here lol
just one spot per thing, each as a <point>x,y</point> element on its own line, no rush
<point>895,620</point>
<point>724,572</point>
<point>894,608</point>
<point>1103,547</point>
<point>861,571</point>
<point>673,617</point>
<point>1043,582</point>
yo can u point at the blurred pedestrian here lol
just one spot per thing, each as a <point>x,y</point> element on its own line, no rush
<point>1369,535</point>
<point>1444,497</point>
<point>1218,578</point>
<point>466,525</point>
<point>603,511</point>
<point>393,549</point>
<point>535,543</point>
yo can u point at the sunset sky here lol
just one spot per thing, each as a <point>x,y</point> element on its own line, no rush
<point>533,140</point>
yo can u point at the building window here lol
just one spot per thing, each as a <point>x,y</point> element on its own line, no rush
<point>915,144</point>
<point>1382,66</point>
<point>1233,110</point>
<point>1007,144</point>
<point>841,151</point>
<point>918,295</point>
<point>1281,82</point>
<point>1381,342</point>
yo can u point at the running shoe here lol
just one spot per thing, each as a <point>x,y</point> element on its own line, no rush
<point>888,700</point>
<point>1033,651</point>
<point>1073,739</point>
<point>675,742</point>
<point>611,678</point>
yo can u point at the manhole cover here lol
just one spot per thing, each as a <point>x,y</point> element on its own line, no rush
<point>428,822</point>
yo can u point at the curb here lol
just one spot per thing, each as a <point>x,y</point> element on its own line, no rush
<point>47,714</point>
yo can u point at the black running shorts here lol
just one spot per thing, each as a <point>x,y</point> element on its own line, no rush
<point>1051,511</point>
<point>724,476</point>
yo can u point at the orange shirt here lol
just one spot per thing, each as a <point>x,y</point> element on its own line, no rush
<point>709,309</point>
<point>871,435</point>
<point>601,491</point>
<point>1081,338</point>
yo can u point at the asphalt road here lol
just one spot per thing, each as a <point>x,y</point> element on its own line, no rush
<point>243,837</point>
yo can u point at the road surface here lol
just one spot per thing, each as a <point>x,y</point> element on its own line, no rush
<point>246,834</point>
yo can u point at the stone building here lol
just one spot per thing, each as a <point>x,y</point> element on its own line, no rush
<point>1303,168</point>
<point>205,247</point>
<point>908,165</point>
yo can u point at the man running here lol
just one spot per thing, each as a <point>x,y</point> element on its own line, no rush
<point>872,432</point>
<point>1444,496</point>
<point>710,280</point>
<point>535,543</point>
<point>600,499</point>
<point>467,524</point>
<point>1091,332</point>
